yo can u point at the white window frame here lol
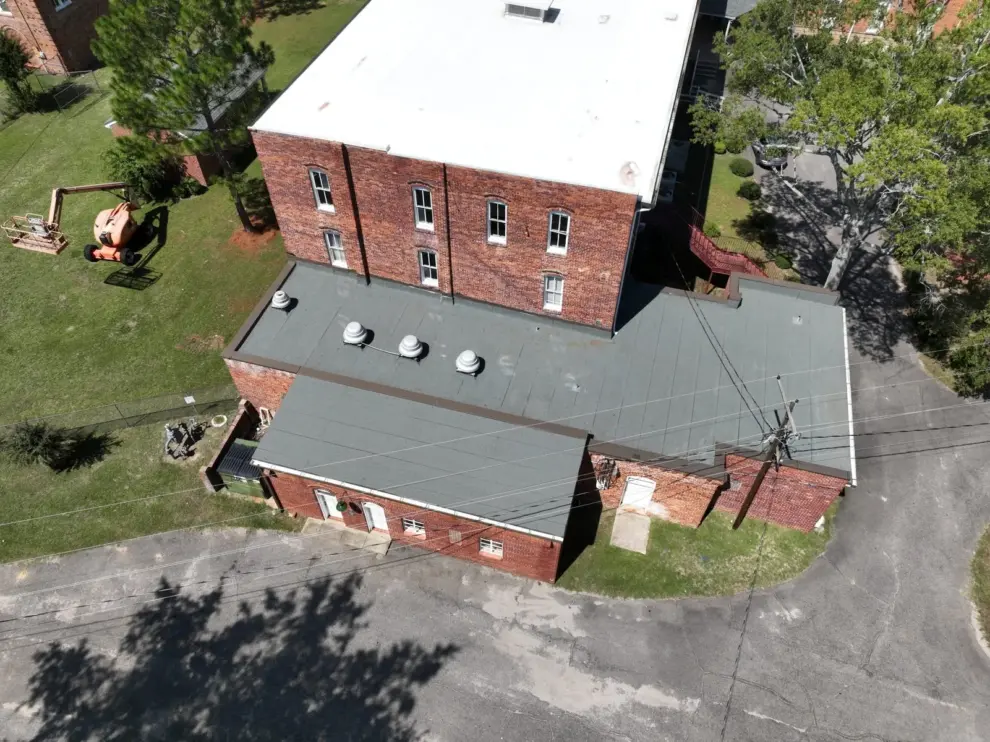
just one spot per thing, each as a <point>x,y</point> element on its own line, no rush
<point>558,233</point>
<point>318,188</point>
<point>5,8</point>
<point>428,265</point>
<point>494,220</point>
<point>491,547</point>
<point>333,512</point>
<point>423,212</point>
<point>413,527</point>
<point>61,4</point>
<point>550,292</point>
<point>335,248</point>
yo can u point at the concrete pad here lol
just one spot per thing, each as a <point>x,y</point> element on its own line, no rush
<point>631,531</point>
<point>335,530</point>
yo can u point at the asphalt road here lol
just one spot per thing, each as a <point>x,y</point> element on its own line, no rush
<point>873,642</point>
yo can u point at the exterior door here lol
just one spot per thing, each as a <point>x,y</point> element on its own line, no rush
<point>328,504</point>
<point>375,517</point>
<point>638,492</point>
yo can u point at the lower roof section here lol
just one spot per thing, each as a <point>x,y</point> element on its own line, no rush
<point>666,384</point>
<point>520,477</point>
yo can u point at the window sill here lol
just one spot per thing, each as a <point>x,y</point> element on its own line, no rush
<point>6,14</point>
<point>414,535</point>
<point>486,555</point>
<point>430,284</point>
<point>342,266</point>
<point>326,209</point>
<point>551,308</point>
<point>556,251</point>
<point>496,242</point>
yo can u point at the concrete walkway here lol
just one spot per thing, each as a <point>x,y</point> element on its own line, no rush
<point>874,642</point>
<point>631,531</point>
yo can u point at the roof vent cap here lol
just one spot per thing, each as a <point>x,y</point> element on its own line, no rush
<point>355,333</point>
<point>468,362</point>
<point>410,347</point>
<point>281,300</point>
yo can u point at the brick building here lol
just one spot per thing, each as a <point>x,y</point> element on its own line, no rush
<point>55,33</point>
<point>456,355</point>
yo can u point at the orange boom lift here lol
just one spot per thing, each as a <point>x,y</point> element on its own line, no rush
<point>113,228</point>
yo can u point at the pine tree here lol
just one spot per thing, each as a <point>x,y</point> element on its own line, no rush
<point>183,65</point>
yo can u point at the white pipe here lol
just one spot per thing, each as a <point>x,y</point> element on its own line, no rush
<point>849,401</point>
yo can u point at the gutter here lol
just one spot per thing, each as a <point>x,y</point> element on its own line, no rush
<point>405,500</point>
<point>849,401</point>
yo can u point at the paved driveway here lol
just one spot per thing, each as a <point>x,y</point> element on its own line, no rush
<point>874,642</point>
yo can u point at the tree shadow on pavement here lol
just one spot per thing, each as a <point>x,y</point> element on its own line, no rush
<point>874,301</point>
<point>291,669</point>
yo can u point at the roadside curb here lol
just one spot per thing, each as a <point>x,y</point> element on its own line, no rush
<point>975,621</point>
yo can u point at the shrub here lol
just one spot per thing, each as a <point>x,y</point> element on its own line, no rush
<point>712,230</point>
<point>735,144</point>
<point>750,190</point>
<point>36,443</point>
<point>14,73</point>
<point>741,166</point>
<point>152,169</point>
<point>720,148</point>
<point>783,262</point>
<point>971,364</point>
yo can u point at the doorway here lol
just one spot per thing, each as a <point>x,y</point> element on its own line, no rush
<point>328,504</point>
<point>638,493</point>
<point>374,516</point>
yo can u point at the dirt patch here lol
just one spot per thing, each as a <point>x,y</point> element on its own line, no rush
<point>251,241</point>
<point>198,344</point>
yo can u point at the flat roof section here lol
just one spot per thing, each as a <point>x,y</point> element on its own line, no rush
<point>586,99</point>
<point>656,386</point>
<point>521,477</point>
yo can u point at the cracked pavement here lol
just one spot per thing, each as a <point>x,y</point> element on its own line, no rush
<point>873,642</point>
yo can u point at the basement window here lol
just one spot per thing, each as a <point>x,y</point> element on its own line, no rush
<point>428,273</point>
<point>553,293</point>
<point>525,11</point>
<point>60,4</point>
<point>413,527</point>
<point>4,8</point>
<point>490,547</point>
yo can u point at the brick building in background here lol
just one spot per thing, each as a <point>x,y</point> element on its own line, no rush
<point>458,356</point>
<point>55,33</point>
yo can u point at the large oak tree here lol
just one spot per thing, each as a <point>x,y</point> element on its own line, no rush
<point>902,118</point>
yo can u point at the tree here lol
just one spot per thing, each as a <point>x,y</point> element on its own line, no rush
<point>183,66</point>
<point>902,119</point>
<point>14,71</point>
<point>36,443</point>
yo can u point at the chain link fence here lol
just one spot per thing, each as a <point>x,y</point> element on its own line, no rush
<point>145,411</point>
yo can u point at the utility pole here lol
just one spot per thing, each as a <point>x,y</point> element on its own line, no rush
<point>777,439</point>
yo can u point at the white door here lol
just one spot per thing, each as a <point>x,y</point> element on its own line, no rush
<point>375,516</point>
<point>638,492</point>
<point>328,504</point>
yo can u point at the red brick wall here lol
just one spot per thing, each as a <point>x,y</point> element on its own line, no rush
<point>523,555</point>
<point>681,498</point>
<point>511,276</point>
<point>72,30</point>
<point>262,387</point>
<point>790,497</point>
<point>26,24</point>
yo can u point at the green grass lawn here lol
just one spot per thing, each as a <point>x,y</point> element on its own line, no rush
<point>732,214</point>
<point>709,560</point>
<point>134,468</point>
<point>72,341</point>
<point>980,590</point>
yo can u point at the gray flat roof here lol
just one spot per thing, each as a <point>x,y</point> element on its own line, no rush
<point>656,386</point>
<point>521,476</point>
